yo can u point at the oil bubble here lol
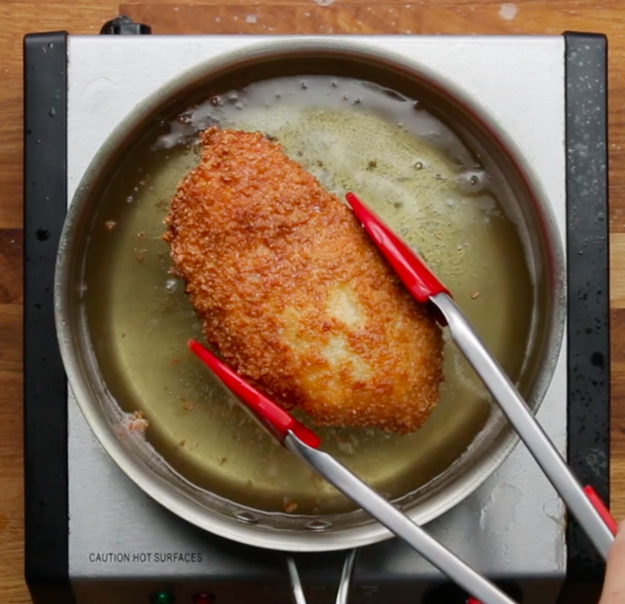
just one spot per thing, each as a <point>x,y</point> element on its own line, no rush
<point>171,285</point>
<point>472,182</point>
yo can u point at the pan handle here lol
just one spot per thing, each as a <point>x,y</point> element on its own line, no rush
<point>342,594</point>
<point>296,584</point>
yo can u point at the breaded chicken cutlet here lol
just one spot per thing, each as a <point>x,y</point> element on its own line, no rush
<point>292,293</point>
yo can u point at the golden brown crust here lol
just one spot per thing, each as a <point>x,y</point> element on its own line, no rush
<point>292,293</point>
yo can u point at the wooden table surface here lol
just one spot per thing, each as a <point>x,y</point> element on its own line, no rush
<point>271,16</point>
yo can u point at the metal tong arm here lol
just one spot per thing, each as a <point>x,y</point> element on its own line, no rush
<point>525,424</point>
<point>399,524</point>
<point>425,287</point>
<point>303,442</point>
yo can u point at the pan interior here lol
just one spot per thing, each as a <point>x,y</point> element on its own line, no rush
<point>433,182</point>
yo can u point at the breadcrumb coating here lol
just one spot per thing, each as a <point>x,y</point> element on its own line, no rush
<point>292,293</point>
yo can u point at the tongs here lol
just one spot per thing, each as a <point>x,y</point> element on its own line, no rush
<point>425,287</point>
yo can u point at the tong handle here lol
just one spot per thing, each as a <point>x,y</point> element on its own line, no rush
<point>601,508</point>
<point>525,424</point>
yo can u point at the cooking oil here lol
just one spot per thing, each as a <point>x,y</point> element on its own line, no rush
<point>445,198</point>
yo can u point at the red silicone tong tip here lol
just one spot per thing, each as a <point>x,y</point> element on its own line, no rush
<point>273,418</point>
<point>412,271</point>
<point>601,508</point>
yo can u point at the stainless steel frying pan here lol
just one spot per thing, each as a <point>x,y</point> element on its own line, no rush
<point>123,322</point>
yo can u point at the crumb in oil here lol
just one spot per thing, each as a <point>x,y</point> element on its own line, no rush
<point>475,296</point>
<point>182,443</point>
<point>110,225</point>
<point>136,422</point>
<point>372,165</point>
<point>223,460</point>
<point>140,258</point>
<point>289,505</point>
<point>188,407</point>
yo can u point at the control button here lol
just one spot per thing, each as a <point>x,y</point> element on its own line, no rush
<point>161,597</point>
<point>204,598</point>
